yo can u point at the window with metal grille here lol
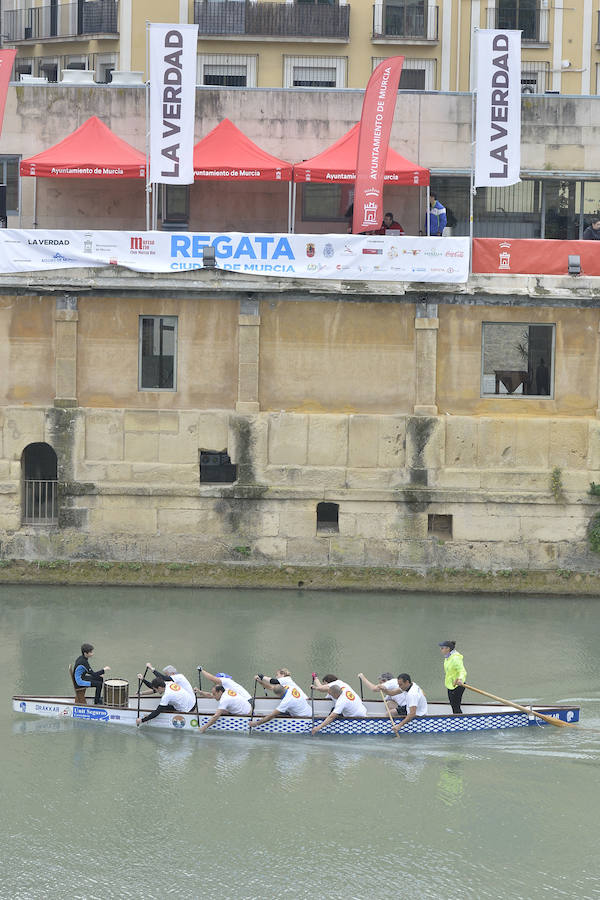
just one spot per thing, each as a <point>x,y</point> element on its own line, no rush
<point>157,355</point>
<point>39,465</point>
<point>314,71</point>
<point>9,175</point>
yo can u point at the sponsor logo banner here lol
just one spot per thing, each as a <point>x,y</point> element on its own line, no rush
<point>341,257</point>
<point>90,712</point>
<point>172,102</point>
<point>373,140</point>
<point>498,131</point>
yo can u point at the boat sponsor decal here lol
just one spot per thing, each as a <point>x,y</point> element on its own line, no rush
<point>22,706</point>
<point>95,713</point>
<point>291,255</point>
<point>45,707</point>
<point>178,722</point>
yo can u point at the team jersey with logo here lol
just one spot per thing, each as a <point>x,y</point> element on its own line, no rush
<point>234,703</point>
<point>339,683</point>
<point>178,697</point>
<point>294,703</point>
<point>181,680</point>
<point>230,685</point>
<point>349,704</point>
<point>288,681</point>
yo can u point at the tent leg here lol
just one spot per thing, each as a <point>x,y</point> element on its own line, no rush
<point>427,219</point>
<point>293,223</point>
<point>289,207</point>
<point>35,202</point>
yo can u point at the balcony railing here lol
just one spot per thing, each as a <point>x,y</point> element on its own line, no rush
<point>40,502</point>
<point>38,23</point>
<point>531,21</point>
<point>412,21</point>
<point>283,20</point>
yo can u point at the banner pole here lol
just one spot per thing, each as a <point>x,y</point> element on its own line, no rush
<point>289,207</point>
<point>147,128</point>
<point>293,229</point>
<point>473,189</point>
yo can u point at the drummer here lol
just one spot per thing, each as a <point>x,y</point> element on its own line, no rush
<point>347,704</point>
<point>293,703</point>
<point>173,698</point>
<point>83,674</point>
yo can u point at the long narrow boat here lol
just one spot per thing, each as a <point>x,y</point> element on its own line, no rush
<point>476,717</point>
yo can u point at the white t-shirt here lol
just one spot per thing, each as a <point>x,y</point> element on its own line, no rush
<point>294,703</point>
<point>230,685</point>
<point>339,683</point>
<point>182,680</point>
<point>288,681</point>
<point>234,703</point>
<point>414,696</point>
<point>178,697</point>
<point>348,704</point>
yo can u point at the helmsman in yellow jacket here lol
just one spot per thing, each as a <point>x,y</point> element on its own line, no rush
<point>454,674</point>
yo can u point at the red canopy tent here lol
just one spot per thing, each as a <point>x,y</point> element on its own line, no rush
<point>338,164</point>
<point>91,151</point>
<point>227,153</point>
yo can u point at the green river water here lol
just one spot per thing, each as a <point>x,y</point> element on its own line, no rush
<point>96,813</point>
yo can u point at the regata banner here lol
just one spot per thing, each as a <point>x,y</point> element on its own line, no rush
<point>172,102</point>
<point>498,122</point>
<point>319,256</point>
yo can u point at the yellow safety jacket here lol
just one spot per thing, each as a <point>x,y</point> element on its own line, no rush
<point>454,668</point>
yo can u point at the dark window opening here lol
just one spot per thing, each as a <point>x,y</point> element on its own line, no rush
<point>518,359</point>
<point>328,517</point>
<point>440,526</point>
<point>412,80</point>
<point>216,467</point>
<point>158,342</point>
<point>39,465</point>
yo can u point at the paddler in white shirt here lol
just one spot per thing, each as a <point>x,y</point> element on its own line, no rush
<point>413,698</point>
<point>169,673</point>
<point>282,677</point>
<point>347,704</point>
<point>387,684</point>
<point>293,703</point>
<point>328,682</point>
<point>230,703</point>
<point>173,699</point>
<point>226,681</point>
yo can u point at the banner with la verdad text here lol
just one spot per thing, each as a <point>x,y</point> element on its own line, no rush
<point>319,256</point>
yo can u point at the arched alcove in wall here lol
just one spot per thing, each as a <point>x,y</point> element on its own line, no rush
<point>39,467</point>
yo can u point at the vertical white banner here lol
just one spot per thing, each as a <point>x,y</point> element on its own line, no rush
<point>498,121</point>
<point>173,51</point>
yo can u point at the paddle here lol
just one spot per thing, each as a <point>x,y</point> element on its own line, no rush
<point>312,698</point>
<point>395,733</point>
<point>200,677</point>
<point>140,683</point>
<point>558,722</point>
<point>252,707</point>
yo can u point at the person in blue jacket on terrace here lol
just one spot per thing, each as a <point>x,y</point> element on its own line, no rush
<point>437,216</point>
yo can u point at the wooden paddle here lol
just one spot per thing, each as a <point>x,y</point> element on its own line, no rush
<point>312,698</point>
<point>557,722</point>
<point>395,733</point>
<point>252,709</point>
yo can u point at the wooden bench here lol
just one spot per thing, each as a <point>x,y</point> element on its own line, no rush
<point>79,691</point>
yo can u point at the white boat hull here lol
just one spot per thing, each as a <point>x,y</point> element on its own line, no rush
<point>479,717</point>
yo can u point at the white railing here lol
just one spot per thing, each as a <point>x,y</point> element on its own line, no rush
<point>40,502</point>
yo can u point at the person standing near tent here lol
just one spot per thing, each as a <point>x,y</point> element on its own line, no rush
<point>437,216</point>
<point>454,674</point>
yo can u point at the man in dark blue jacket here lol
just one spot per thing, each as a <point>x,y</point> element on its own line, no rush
<point>84,675</point>
<point>437,216</point>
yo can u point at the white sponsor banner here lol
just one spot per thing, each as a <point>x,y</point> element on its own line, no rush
<point>498,123</point>
<point>172,102</point>
<point>343,257</point>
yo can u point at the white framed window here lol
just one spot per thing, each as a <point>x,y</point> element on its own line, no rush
<point>517,359</point>
<point>598,78</point>
<point>534,77</point>
<point>417,74</point>
<point>158,353</point>
<point>315,71</point>
<point>221,70</point>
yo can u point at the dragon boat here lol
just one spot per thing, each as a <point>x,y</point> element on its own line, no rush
<point>439,720</point>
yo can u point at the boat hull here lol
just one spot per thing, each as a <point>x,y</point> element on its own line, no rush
<point>485,718</point>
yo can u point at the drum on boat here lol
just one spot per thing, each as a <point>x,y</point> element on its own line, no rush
<point>116,692</point>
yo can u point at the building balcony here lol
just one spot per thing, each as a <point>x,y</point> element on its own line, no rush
<point>523,16</point>
<point>398,21</point>
<point>67,20</point>
<point>291,21</point>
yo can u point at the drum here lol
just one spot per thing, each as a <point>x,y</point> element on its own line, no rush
<point>116,692</point>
